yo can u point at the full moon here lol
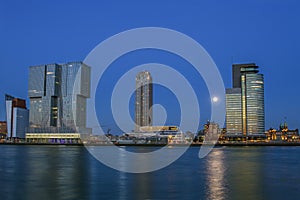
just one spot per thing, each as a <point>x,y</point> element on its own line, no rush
<point>215,99</point>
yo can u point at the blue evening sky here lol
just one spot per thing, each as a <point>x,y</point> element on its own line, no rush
<point>262,31</point>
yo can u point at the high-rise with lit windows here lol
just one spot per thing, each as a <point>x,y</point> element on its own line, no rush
<point>143,100</point>
<point>245,101</point>
<point>234,110</point>
<point>57,98</point>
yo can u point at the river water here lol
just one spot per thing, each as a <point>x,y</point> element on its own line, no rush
<point>63,172</point>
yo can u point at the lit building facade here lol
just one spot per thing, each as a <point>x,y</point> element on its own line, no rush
<point>3,127</point>
<point>57,98</point>
<point>234,110</point>
<point>283,134</point>
<point>143,100</point>
<point>3,131</point>
<point>248,85</point>
<point>17,117</point>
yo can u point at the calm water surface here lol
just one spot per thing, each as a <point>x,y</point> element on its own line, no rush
<point>57,172</point>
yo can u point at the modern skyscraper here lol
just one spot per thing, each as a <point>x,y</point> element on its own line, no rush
<point>236,74</point>
<point>143,100</point>
<point>57,101</point>
<point>16,116</point>
<point>245,116</point>
<point>234,110</point>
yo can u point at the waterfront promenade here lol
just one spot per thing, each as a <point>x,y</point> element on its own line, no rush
<point>221,143</point>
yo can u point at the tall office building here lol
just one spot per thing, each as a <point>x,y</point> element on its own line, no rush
<point>234,110</point>
<point>57,99</point>
<point>143,100</point>
<point>16,116</point>
<point>245,101</point>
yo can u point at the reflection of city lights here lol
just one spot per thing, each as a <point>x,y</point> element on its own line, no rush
<point>215,99</point>
<point>215,175</point>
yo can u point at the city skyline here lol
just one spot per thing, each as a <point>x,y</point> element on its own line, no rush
<point>130,99</point>
<point>261,32</point>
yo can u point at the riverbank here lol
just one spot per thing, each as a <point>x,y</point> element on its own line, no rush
<point>162,145</point>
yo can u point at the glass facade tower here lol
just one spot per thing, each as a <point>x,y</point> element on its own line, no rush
<point>234,110</point>
<point>57,98</point>
<point>143,100</point>
<point>245,101</point>
<point>16,117</point>
<point>252,101</point>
